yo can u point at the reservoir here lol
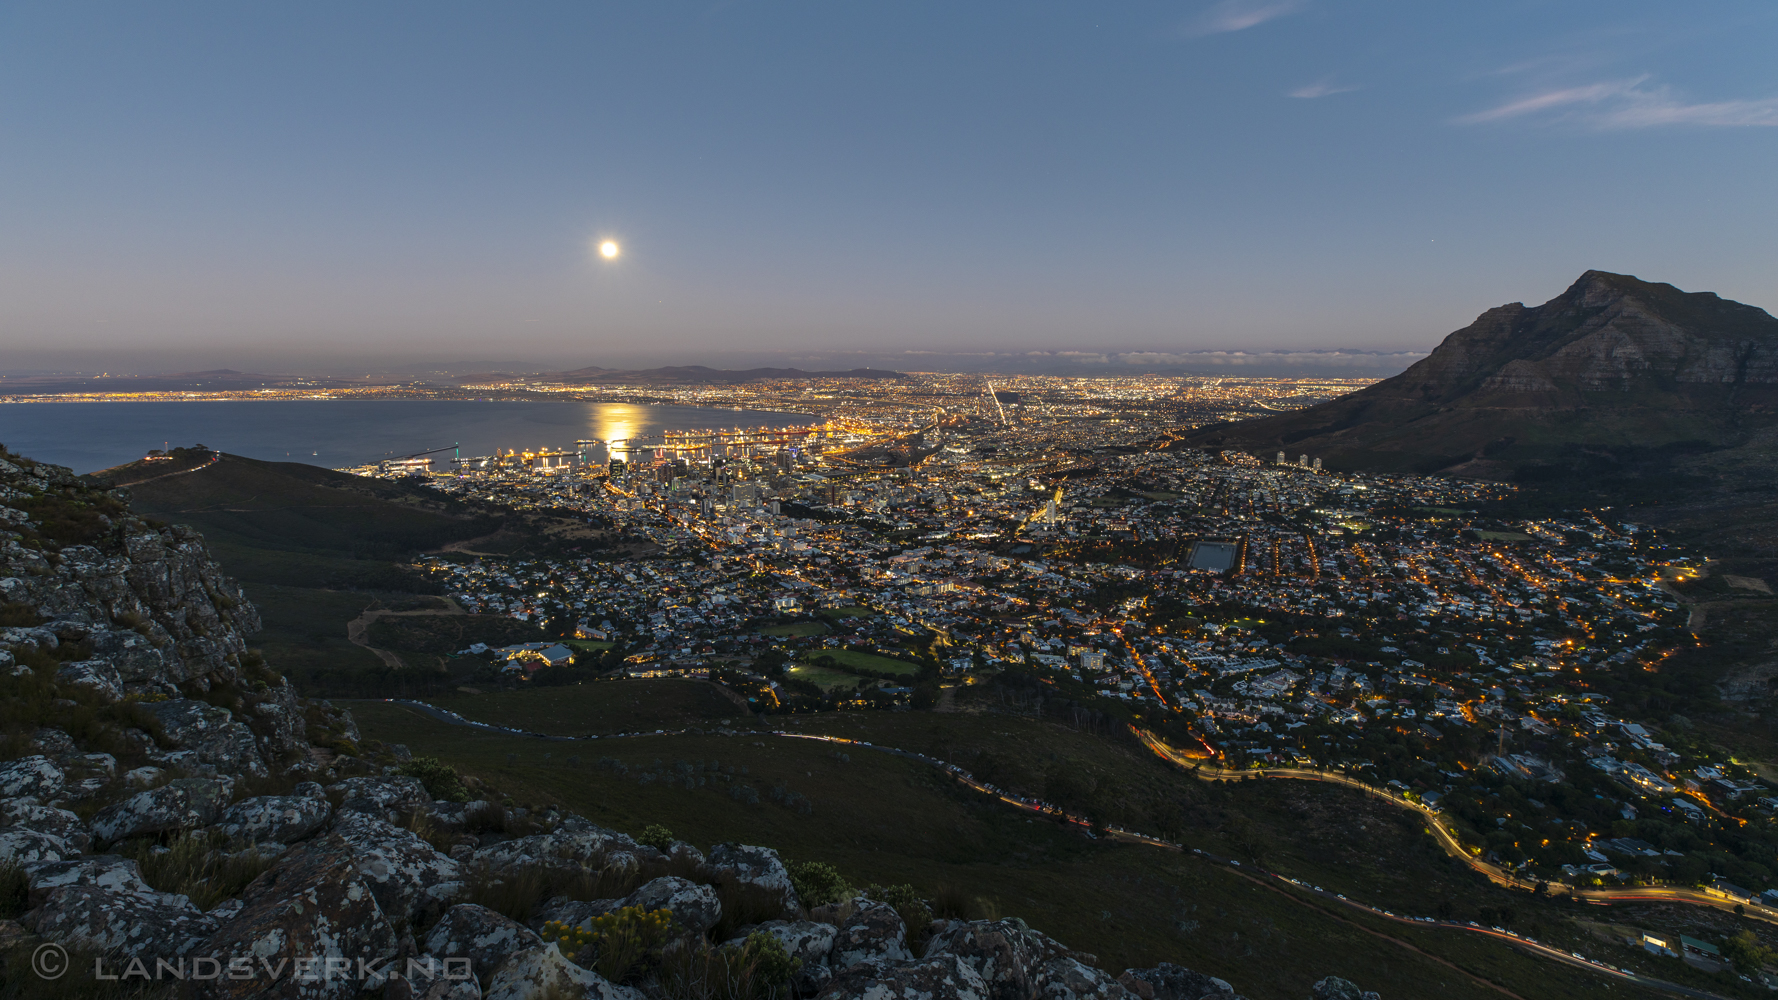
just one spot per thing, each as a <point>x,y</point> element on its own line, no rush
<point>339,433</point>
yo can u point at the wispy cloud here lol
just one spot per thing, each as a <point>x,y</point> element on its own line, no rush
<point>1239,15</point>
<point>1324,88</point>
<point>1625,104</point>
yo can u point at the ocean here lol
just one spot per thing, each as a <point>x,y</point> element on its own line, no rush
<point>335,434</point>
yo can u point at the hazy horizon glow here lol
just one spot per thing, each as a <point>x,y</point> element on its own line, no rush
<point>439,181</point>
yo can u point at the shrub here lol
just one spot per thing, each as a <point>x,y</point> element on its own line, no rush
<point>907,902</point>
<point>818,883</point>
<point>621,941</point>
<point>656,836</point>
<point>440,779</point>
<point>759,969</point>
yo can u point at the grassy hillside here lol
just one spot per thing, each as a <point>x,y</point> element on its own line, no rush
<point>888,820</point>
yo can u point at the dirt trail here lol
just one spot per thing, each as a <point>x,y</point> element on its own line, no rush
<point>358,628</point>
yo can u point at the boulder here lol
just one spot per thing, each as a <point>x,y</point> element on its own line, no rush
<point>434,988</point>
<point>757,867</point>
<point>313,904</point>
<point>573,912</point>
<point>1167,981</point>
<point>36,776</point>
<point>1005,953</point>
<point>807,941</point>
<point>211,739</point>
<point>1069,978</point>
<point>590,847</point>
<point>148,925</point>
<point>142,777</point>
<point>543,972</point>
<point>695,907</point>
<point>409,876</point>
<point>46,819</point>
<point>873,934</point>
<point>97,676</point>
<point>280,818</point>
<point>176,805</point>
<point>1335,988</point>
<point>681,853</point>
<point>388,798</point>
<point>22,845</point>
<point>479,934</point>
<point>106,871</point>
<point>943,977</point>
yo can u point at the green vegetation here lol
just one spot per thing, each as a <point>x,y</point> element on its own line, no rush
<point>195,865</point>
<point>818,883</point>
<point>975,857</point>
<point>825,678</point>
<point>441,780</point>
<point>850,611</point>
<point>656,836</point>
<point>869,664</point>
<point>598,707</point>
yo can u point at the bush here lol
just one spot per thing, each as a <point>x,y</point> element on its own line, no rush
<point>656,836</point>
<point>760,969</point>
<point>440,779</point>
<point>907,902</point>
<point>621,941</point>
<point>818,883</point>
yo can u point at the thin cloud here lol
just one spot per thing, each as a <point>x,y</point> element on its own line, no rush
<point>1325,88</point>
<point>1627,104</point>
<point>1239,15</point>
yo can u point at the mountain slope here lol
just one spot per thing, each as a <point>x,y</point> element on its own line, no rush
<point>1614,368</point>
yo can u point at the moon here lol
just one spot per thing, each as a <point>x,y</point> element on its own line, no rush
<point>609,249</point>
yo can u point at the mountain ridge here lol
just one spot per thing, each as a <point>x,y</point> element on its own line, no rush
<point>1614,364</point>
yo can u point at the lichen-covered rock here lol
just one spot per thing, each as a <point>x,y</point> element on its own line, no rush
<point>1005,953</point>
<point>694,906</point>
<point>681,853</point>
<point>573,912</point>
<point>107,871</point>
<point>36,776</point>
<point>1335,988</point>
<point>584,847</point>
<point>757,867</point>
<point>1069,978</point>
<point>210,736</point>
<point>874,933</point>
<point>46,819</point>
<point>311,903</point>
<point>131,655</point>
<point>97,676</point>
<point>386,798</point>
<point>479,934</point>
<point>124,924</point>
<point>1167,981</point>
<point>543,972</point>
<point>807,941</point>
<point>142,777</point>
<point>281,818</point>
<point>278,722</point>
<point>943,977</point>
<point>22,845</point>
<point>177,805</point>
<point>409,876</point>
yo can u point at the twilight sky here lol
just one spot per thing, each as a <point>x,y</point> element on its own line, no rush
<point>186,185</point>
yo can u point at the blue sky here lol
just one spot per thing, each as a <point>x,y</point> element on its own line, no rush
<point>250,183</point>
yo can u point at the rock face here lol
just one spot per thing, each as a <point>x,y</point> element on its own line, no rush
<point>386,798</point>
<point>150,601</point>
<point>808,942</point>
<point>312,902</point>
<point>36,776</point>
<point>543,972</point>
<point>408,876</point>
<point>1335,988</point>
<point>1009,956</point>
<point>1612,363</point>
<point>208,737</point>
<point>1167,981</point>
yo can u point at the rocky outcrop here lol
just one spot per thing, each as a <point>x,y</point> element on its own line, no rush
<point>22,845</point>
<point>1009,956</point>
<point>808,942</point>
<point>27,814</point>
<point>543,972</point>
<point>35,776</point>
<point>207,738</point>
<point>312,903</point>
<point>124,924</point>
<point>757,868</point>
<point>408,876</point>
<point>1335,988</point>
<point>695,907</point>
<point>873,934</point>
<point>1167,981</point>
<point>177,805</point>
<point>280,818</point>
<point>943,977</point>
<point>388,798</point>
<point>479,934</point>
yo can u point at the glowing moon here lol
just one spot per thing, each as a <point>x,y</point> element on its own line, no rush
<point>609,250</point>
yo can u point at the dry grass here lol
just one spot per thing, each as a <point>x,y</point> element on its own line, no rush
<point>195,865</point>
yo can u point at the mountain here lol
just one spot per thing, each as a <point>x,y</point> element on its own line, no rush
<point>1615,372</point>
<point>676,375</point>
